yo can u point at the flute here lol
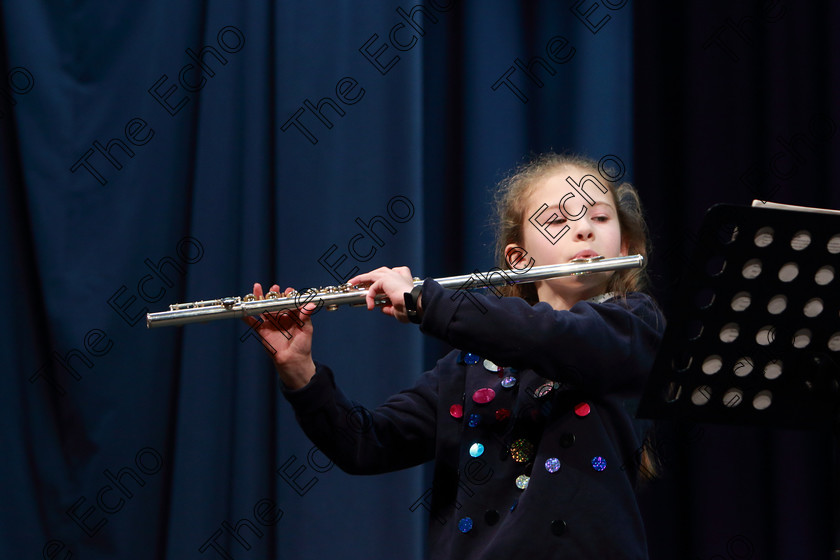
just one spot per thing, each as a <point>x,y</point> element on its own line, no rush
<point>332,297</point>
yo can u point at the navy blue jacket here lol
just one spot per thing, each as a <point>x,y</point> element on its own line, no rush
<point>532,460</point>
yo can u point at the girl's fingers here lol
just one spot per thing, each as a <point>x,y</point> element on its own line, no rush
<point>374,290</point>
<point>305,312</point>
<point>369,277</point>
<point>258,291</point>
<point>388,310</point>
<point>279,320</point>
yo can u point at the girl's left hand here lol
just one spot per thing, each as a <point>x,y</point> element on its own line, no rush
<point>394,283</point>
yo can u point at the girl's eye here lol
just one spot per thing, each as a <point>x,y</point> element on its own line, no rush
<point>601,218</point>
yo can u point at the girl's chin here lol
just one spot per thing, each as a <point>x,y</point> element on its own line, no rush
<point>576,285</point>
<point>589,279</point>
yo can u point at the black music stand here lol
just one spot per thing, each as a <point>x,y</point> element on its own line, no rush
<point>757,339</point>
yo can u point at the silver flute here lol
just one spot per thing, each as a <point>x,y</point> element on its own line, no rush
<point>332,297</point>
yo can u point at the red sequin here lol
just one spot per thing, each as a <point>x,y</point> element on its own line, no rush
<point>502,414</point>
<point>582,409</point>
<point>456,411</point>
<point>484,396</point>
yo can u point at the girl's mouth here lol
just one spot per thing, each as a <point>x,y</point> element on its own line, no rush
<point>585,254</point>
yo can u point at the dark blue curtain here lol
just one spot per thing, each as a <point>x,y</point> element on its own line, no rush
<point>163,152</point>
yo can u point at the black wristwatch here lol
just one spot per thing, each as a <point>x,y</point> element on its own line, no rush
<point>411,304</point>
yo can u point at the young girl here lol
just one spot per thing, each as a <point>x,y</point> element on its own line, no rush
<point>529,424</point>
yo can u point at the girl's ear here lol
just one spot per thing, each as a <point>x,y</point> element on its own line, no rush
<point>511,254</point>
<point>515,256</point>
<point>625,248</point>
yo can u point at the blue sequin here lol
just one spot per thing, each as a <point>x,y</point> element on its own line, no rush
<point>599,463</point>
<point>465,524</point>
<point>476,450</point>
<point>471,358</point>
<point>475,420</point>
<point>552,465</point>
<point>508,382</point>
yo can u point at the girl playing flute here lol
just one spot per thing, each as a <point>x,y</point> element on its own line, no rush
<point>529,423</point>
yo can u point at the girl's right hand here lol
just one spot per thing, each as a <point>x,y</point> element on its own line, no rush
<point>287,336</point>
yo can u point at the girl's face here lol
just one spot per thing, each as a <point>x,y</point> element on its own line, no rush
<point>560,224</point>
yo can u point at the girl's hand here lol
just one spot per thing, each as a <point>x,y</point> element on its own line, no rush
<point>394,283</point>
<point>287,336</point>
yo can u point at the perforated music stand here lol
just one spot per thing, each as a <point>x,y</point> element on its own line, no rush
<point>757,338</point>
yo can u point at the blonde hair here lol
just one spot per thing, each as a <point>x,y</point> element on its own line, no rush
<point>512,197</point>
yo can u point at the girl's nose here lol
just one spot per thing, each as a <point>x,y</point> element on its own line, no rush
<point>583,229</point>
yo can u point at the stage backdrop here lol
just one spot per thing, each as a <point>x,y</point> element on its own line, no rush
<point>161,152</point>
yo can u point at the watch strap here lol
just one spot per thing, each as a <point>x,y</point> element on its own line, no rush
<point>411,303</point>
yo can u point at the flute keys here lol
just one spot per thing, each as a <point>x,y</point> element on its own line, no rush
<point>330,290</point>
<point>222,308</point>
